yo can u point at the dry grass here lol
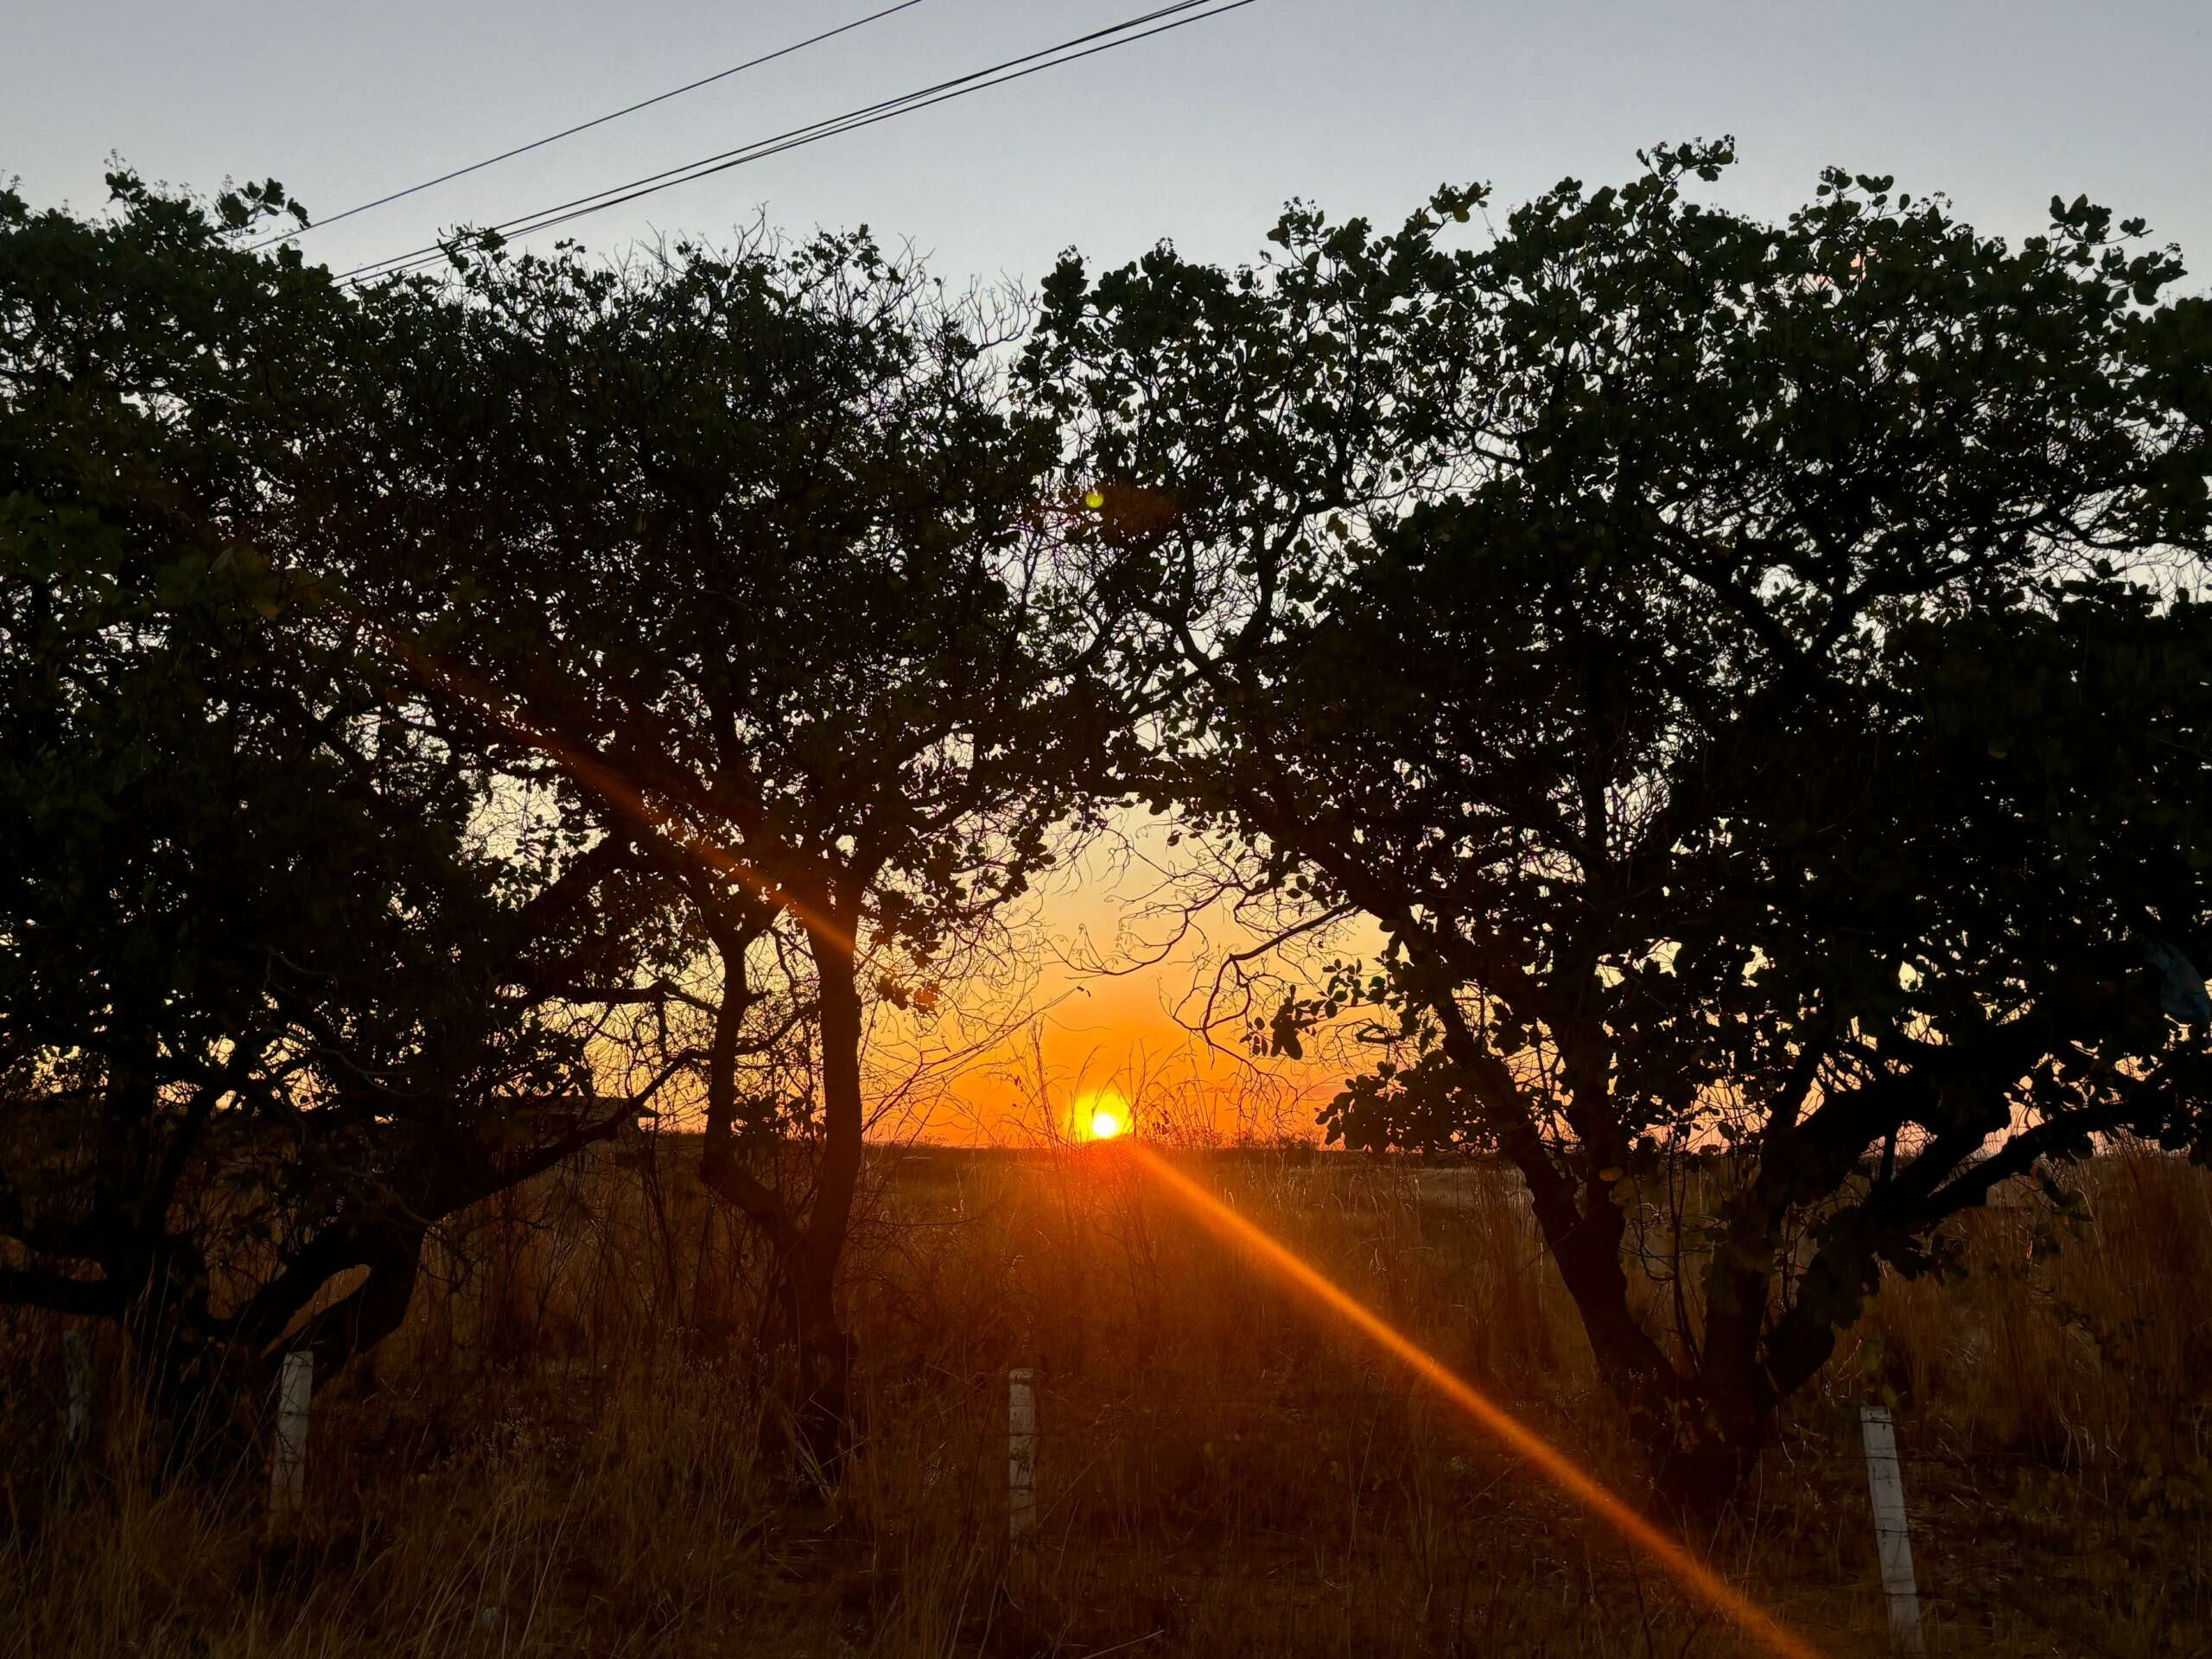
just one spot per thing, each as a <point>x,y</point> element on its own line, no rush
<point>573,1447</point>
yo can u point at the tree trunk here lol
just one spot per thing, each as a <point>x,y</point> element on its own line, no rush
<point>1721,1430</point>
<point>1634,1369</point>
<point>1583,1232</point>
<point>825,1349</point>
<point>1701,1436</point>
<point>807,1255</point>
<point>194,1382</point>
<point>823,1403</point>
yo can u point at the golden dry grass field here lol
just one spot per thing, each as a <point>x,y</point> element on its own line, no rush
<point>574,1447</point>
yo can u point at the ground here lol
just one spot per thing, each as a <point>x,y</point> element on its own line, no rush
<point>576,1447</point>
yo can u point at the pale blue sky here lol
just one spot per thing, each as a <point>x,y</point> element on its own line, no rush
<point>1198,136</point>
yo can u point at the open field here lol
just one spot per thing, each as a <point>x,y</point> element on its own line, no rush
<point>572,1447</point>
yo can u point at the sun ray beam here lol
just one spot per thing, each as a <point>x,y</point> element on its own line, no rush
<point>592,774</point>
<point>1593,1495</point>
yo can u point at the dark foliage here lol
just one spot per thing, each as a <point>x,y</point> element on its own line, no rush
<point>1737,666</point>
<point>266,1010</point>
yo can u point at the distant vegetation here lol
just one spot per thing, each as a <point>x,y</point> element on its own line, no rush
<point>1750,674</point>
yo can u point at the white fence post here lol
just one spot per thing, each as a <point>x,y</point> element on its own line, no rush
<point>77,1384</point>
<point>1021,1452</point>
<point>288,1469</point>
<point>1892,1542</point>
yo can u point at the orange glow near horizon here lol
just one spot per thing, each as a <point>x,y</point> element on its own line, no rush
<point>1591,1494</point>
<point>1099,1114</point>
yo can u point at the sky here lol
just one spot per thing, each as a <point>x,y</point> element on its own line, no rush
<point>1197,137</point>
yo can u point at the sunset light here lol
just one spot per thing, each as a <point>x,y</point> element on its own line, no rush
<point>1101,1116</point>
<point>619,794</point>
<point>1555,1465</point>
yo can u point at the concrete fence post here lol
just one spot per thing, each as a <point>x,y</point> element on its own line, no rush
<point>288,1468</point>
<point>1021,1452</point>
<point>1892,1540</point>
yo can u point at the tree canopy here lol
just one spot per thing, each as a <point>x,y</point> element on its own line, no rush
<point>1750,673</point>
<point>1745,669</point>
<point>266,1003</point>
<point>749,555</point>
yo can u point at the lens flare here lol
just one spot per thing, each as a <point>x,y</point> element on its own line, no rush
<point>597,776</point>
<point>1555,1465</point>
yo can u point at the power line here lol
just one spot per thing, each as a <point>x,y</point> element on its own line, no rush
<point>596,121</point>
<point>1179,15</point>
<point>867,114</point>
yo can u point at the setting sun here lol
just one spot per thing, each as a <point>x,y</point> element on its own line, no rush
<point>1099,1115</point>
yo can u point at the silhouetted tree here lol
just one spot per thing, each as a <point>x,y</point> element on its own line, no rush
<point>284,980</point>
<point>749,546</point>
<point>1725,658</point>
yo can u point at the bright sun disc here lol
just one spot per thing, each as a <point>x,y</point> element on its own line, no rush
<point>1105,1124</point>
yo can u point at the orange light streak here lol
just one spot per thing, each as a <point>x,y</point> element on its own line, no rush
<point>596,775</point>
<point>1555,1465</point>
